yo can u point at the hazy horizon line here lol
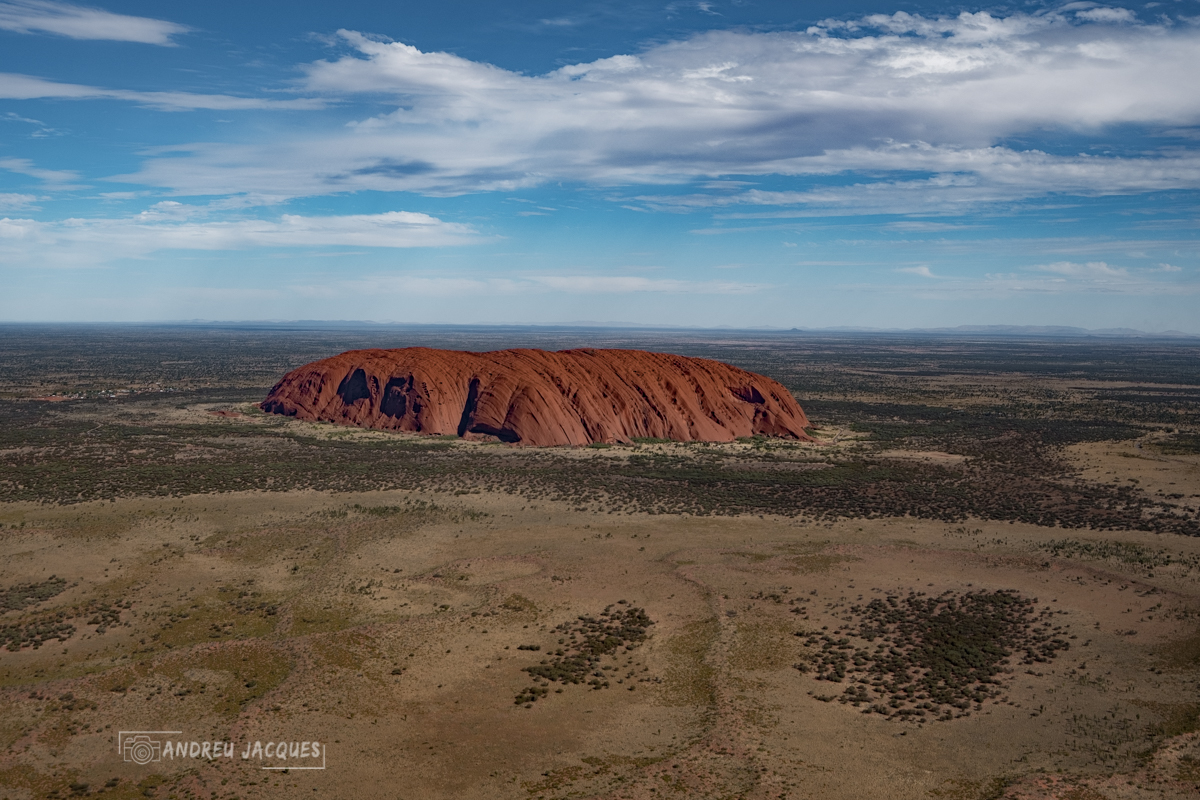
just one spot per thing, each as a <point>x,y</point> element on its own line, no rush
<point>311,324</point>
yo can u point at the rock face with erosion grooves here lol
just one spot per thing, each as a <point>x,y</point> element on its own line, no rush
<point>536,397</point>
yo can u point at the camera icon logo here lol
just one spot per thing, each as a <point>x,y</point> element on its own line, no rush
<point>140,747</point>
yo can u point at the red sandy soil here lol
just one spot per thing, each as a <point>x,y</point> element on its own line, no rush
<point>541,398</point>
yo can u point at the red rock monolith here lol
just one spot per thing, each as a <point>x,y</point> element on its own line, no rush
<point>536,397</point>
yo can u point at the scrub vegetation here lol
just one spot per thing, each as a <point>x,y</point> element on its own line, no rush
<point>983,580</point>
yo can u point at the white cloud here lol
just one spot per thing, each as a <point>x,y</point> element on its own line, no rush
<point>1016,284</point>
<point>81,22</point>
<point>27,87</point>
<point>53,178</point>
<point>1062,277</point>
<point>922,226</point>
<point>923,271</point>
<point>414,285</point>
<point>1094,277</point>
<point>616,284</point>
<point>16,202</point>
<point>701,6</point>
<point>1117,16</point>
<point>899,92</point>
<point>169,226</point>
<point>11,117</point>
<point>965,180</point>
<point>522,285</point>
<point>1092,270</point>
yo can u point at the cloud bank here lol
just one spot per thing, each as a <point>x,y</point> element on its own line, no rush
<point>878,97</point>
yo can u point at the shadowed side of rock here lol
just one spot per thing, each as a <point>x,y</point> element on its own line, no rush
<point>541,398</point>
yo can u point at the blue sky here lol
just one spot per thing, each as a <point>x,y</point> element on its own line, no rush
<point>745,164</point>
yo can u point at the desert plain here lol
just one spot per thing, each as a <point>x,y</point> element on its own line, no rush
<point>982,580</point>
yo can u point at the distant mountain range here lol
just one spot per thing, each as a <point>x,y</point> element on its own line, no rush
<point>1048,331</point>
<point>1015,330</point>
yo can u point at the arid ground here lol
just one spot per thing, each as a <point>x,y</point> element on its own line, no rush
<point>982,582</point>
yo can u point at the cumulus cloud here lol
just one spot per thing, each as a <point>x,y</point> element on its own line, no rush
<point>25,87</point>
<point>172,226</point>
<point>81,22</point>
<point>882,93</point>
